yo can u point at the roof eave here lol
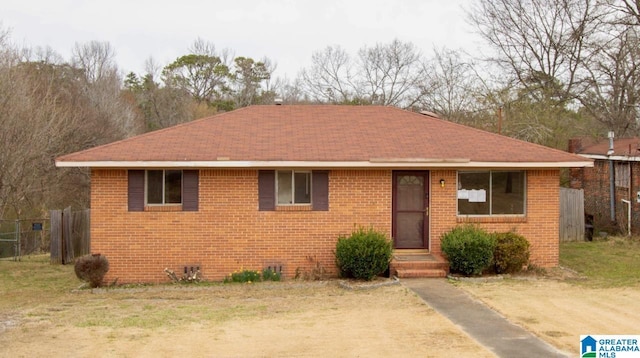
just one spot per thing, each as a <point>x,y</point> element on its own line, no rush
<point>370,164</point>
<point>624,158</point>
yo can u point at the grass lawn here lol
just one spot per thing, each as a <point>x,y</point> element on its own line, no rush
<point>43,311</point>
<point>613,262</point>
<point>306,319</point>
<point>26,282</point>
<point>559,307</point>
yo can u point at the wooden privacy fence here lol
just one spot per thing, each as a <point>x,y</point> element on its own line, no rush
<point>572,223</point>
<point>70,235</point>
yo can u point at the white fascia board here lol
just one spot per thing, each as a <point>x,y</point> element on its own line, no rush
<point>622,158</point>
<point>322,164</point>
<point>526,165</point>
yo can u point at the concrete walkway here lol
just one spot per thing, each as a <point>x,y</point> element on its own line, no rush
<point>486,326</point>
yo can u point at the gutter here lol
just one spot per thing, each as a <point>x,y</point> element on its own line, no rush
<point>370,164</point>
<point>619,158</point>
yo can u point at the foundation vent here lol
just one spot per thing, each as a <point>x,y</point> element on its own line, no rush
<point>275,267</point>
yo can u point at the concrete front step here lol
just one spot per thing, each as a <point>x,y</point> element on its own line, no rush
<point>420,273</point>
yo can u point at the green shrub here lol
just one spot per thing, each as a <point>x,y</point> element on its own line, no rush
<point>269,274</point>
<point>469,249</point>
<point>364,254</point>
<point>243,276</point>
<point>511,253</point>
<point>91,269</point>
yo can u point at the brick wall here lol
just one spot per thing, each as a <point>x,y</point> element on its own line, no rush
<point>229,233</point>
<point>595,183</point>
<point>540,226</point>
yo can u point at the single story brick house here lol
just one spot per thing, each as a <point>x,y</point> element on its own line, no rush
<point>276,185</point>
<point>600,181</point>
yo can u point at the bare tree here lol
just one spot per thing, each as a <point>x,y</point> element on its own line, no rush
<point>290,91</point>
<point>43,115</point>
<point>451,86</point>
<point>48,108</point>
<point>540,42</point>
<point>208,48</point>
<point>630,9</point>
<point>611,93</point>
<point>97,59</point>
<point>152,68</point>
<point>102,85</point>
<point>330,77</point>
<point>389,73</point>
<point>546,49</point>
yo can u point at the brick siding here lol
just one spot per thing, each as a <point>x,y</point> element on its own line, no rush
<point>228,232</point>
<point>540,225</point>
<point>595,183</point>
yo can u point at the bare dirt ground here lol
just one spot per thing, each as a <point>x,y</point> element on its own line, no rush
<point>293,319</point>
<point>558,311</point>
<point>289,319</point>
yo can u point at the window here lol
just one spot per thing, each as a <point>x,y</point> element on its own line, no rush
<point>293,187</point>
<point>151,189</point>
<point>285,188</point>
<point>491,193</point>
<point>164,187</point>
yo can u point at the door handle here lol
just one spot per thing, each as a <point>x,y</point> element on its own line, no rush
<point>426,211</point>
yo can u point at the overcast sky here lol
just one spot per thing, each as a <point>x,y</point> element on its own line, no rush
<point>286,31</point>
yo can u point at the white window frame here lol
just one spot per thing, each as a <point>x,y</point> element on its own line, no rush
<point>490,193</point>
<point>293,186</point>
<point>146,187</point>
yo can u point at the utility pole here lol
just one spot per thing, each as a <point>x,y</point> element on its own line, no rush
<point>612,178</point>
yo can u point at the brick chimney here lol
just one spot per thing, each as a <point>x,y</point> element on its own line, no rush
<point>576,174</point>
<point>575,145</point>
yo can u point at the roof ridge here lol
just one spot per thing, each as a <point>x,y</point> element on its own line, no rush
<point>315,133</point>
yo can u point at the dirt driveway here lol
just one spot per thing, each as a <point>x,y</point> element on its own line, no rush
<point>560,312</point>
<point>287,319</point>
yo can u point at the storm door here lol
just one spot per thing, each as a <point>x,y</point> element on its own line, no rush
<point>411,209</point>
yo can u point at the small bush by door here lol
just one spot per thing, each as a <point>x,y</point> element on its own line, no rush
<point>472,251</point>
<point>364,254</point>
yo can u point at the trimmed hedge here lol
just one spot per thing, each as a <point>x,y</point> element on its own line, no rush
<point>469,249</point>
<point>511,253</point>
<point>364,254</point>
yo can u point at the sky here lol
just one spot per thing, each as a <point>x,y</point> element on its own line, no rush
<point>285,31</point>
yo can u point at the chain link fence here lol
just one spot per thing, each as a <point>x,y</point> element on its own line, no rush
<point>24,237</point>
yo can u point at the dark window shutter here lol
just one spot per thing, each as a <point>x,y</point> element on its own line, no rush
<point>136,190</point>
<point>320,190</point>
<point>266,190</point>
<point>190,190</point>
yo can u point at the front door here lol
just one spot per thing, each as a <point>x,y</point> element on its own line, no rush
<point>411,209</point>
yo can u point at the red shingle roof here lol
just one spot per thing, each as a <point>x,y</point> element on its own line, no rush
<point>621,147</point>
<point>320,133</point>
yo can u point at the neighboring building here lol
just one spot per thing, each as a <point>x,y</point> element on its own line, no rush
<point>596,181</point>
<point>277,185</point>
